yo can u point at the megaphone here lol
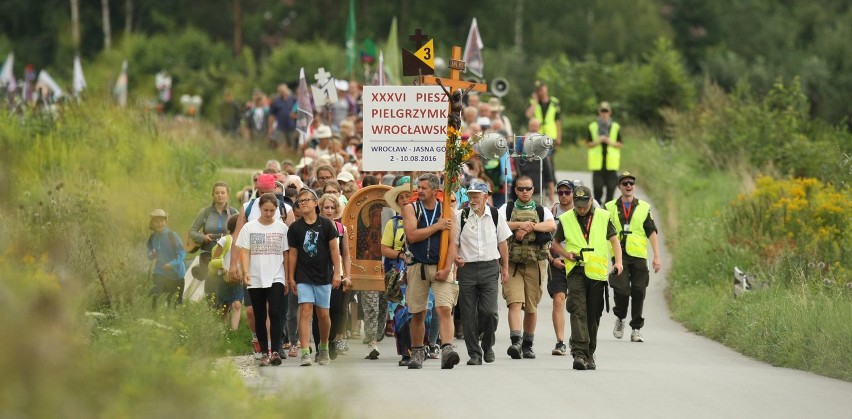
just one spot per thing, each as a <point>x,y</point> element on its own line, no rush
<point>538,145</point>
<point>499,87</point>
<point>492,146</point>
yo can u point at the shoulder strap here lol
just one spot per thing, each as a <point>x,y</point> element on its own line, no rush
<point>339,228</point>
<point>540,211</point>
<point>282,208</point>
<point>464,214</point>
<point>494,215</point>
<point>509,207</point>
<point>248,208</point>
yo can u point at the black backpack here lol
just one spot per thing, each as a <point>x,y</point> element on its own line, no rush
<point>281,208</point>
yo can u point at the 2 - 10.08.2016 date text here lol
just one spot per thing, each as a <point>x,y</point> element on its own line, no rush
<point>413,158</point>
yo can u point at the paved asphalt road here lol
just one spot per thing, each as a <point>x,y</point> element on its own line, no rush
<point>673,374</point>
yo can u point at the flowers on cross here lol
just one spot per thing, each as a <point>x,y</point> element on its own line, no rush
<point>459,150</point>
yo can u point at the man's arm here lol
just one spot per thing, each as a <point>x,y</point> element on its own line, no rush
<point>416,235</point>
<point>292,258</point>
<point>655,248</point>
<point>452,252</point>
<point>616,248</point>
<point>503,247</point>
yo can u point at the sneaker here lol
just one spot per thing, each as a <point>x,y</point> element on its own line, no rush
<point>636,336</point>
<point>527,352</point>
<point>306,360</point>
<point>404,361</point>
<point>275,359</point>
<point>374,352</point>
<point>488,355</point>
<point>417,357</point>
<point>264,361</point>
<point>256,345</point>
<point>449,357</point>
<point>433,352</point>
<point>342,347</point>
<point>618,330</point>
<point>323,357</point>
<point>560,349</point>
<point>514,350</point>
<point>580,362</point>
<point>590,364</point>
<point>294,351</point>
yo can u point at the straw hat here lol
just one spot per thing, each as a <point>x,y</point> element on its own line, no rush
<point>393,194</point>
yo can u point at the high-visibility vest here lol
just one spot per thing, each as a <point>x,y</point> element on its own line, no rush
<point>613,154</point>
<point>597,260</point>
<point>635,243</point>
<point>548,121</point>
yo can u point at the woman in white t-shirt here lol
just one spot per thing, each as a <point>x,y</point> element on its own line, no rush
<point>263,243</point>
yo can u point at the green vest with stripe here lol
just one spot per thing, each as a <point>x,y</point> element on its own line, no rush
<point>613,154</point>
<point>597,261</point>
<point>635,243</point>
<point>548,120</point>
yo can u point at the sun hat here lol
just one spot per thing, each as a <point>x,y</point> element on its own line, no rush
<point>323,131</point>
<point>393,194</point>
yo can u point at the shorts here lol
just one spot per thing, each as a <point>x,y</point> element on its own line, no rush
<point>417,291</point>
<point>524,284</point>
<point>318,295</point>
<point>228,293</point>
<point>557,281</point>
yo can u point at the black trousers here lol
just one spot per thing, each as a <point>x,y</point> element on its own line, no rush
<point>585,302</point>
<point>629,288</point>
<point>478,285</point>
<point>274,296</point>
<point>335,312</point>
<point>604,179</point>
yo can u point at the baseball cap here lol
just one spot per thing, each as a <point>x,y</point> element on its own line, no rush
<point>567,183</point>
<point>604,106</point>
<point>478,186</point>
<point>483,122</point>
<point>159,213</point>
<point>582,196</point>
<point>265,181</point>
<point>625,175</point>
<point>345,177</point>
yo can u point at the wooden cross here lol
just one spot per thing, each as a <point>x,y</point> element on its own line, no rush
<point>452,83</point>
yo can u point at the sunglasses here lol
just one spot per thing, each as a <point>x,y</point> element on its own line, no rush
<point>604,111</point>
<point>524,188</point>
<point>628,183</point>
<point>564,193</point>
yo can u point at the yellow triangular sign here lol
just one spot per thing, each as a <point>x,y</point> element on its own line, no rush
<point>426,53</point>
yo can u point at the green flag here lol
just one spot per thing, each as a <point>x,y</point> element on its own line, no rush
<point>393,57</point>
<point>351,48</point>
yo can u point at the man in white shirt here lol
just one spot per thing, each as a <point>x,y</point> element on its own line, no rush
<point>483,253</point>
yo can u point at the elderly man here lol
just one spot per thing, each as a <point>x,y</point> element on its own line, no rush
<point>483,253</point>
<point>588,234</point>
<point>532,225</point>
<point>423,226</point>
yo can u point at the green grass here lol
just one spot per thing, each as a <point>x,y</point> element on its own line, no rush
<point>797,322</point>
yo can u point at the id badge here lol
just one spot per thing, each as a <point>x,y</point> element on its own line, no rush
<point>626,227</point>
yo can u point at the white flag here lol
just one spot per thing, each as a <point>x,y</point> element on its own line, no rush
<point>120,90</point>
<point>7,75</point>
<point>44,80</point>
<point>381,72</point>
<point>473,50</point>
<point>306,112</point>
<point>79,81</point>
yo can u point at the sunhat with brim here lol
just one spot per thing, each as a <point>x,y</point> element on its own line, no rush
<point>393,194</point>
<point>158,213</point>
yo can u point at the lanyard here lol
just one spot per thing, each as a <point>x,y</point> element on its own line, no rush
<point>429,223</point>
<point>586,231</point>
<point>220,220</point>
<point>627,208</point>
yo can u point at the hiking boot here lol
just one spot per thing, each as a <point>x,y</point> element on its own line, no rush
<point>636,336</point>
<point>434,352</point>
<point>590,363</point>
<point>256,345</point>
<point>374,352</point>
<point>488,355</point>
<point>306,360</point>
<point>404,361</point>
<point>526,350</point>
<point>580,362</point>
<point>514,350</point>
<point>323,357</point>
<point>475,361</point>
<point>449,357</point>
<point>264,361</point>
<point>560,349</point>
<point>275,359</point>
<point>417,357</point>
<point>618,330</point>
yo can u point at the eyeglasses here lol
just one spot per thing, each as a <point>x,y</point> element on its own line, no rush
<point>325,178</point>
<point>524,188</point>
<point>304,201</point>
<point>603,110</point>
<point>628,183</point>
<point>564,193</point>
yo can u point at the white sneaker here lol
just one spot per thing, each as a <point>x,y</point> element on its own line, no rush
<point>618,330</point>
<point>636,336</point>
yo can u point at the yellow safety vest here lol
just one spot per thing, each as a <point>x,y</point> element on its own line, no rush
<point>613,154</point>
<point>597,261</point>
<point>548,121</point>
<point>636,243</point>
